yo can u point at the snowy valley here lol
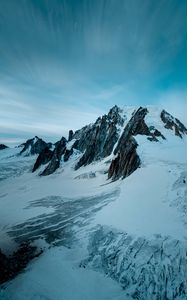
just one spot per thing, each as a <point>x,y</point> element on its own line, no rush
<point>107,207</point>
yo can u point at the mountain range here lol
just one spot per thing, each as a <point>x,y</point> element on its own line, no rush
<point>112,134</point>
<point>105,207</point>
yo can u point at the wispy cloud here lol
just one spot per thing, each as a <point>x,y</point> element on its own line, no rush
<point>63,63</point>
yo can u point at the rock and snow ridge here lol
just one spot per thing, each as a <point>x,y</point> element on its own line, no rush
<point>98,237</point>
<point>112,134</point>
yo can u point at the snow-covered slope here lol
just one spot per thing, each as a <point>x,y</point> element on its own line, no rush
<point>101,235</point>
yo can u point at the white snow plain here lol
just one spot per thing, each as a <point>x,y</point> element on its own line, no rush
<point>151,202</point>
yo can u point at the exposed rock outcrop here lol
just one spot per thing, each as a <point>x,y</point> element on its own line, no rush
<point>53,158</point>
<point>12,265</point>
<point>34,146</point>
<point>67,154</point>
<point>43,158</point>
<point>173,124</point>
<point>82,137</point>
<point>99,139</point>
<point>70,136</point>
<point>127,160</point>
<point>155,134</point>
<point>2,147</point>
<point>60,148</point>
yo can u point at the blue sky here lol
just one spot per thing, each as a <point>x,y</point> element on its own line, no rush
<point>64,62</point>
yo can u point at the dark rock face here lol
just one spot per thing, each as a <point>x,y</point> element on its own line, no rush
<point>67,154</point>
<point>70,137</point>
<point>10,266</point>
<point>82,137</point>
<point>60,148</point>
<point>135,126</point>
<point>34,146</point>
<point>173,124</point>
<point>2,147</point>
<point>127,160</point>
<point>99,139</point>
<point>43,158</point>
<point>49,145</point>
<point>155,134</point>
<point>54,157</point>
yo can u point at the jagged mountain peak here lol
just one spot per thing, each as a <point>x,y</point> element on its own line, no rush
<point>34,146</point>
<point>99,140</point>
<point>115,115</point>
<point>53,158</point>
<point>113,135</point>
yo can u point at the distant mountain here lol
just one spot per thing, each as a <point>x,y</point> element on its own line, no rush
<point>2,147</point>
<point>34,146</point>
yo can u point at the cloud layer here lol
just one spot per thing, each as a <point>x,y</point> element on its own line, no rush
<point>64,62</point>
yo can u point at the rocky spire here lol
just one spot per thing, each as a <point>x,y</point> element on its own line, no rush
<point>99,139</point>
<point>70,136</point>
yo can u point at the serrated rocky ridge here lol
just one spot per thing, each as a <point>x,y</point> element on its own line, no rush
<point>111,134</point>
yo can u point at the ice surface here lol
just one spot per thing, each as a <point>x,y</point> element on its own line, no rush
<point>99,235</point>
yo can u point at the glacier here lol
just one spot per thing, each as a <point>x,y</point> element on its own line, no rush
<point>101,238</point>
